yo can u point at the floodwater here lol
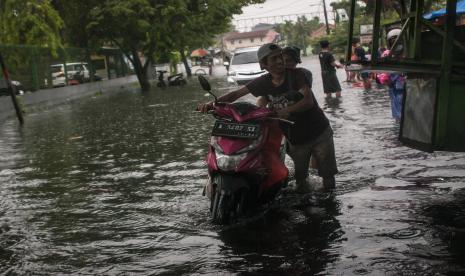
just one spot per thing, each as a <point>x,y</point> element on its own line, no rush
<point>112,185</point>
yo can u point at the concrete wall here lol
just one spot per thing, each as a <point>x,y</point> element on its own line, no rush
<point>55,96</point>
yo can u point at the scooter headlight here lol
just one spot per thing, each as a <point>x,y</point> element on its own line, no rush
<point>229,162</point>
<point>253,145</point>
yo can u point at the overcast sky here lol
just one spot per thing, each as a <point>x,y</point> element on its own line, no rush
<point>279,7</point>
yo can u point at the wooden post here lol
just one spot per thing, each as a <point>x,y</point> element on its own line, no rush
<point>375,36</point>
<point>446,69</point>
<point>351,30</point>
<point>417,33</point>
<point>326,17</point>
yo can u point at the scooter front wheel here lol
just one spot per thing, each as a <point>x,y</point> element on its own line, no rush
<point>227,203</point>
<point>220,206</point>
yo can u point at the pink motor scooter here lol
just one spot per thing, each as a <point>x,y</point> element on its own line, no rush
<point>245,158</point>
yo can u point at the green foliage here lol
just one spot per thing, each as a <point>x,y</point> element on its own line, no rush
<point>30,22</point>
<point>337,39</point>
<point>386,5</point>
<point>297,34</point>
<point>127,24</point>
<point>203,20</point>
<point>76,15</point>
<point>146,27</point>
<point>159,26</point>
<point>363,15</point>
<point>345,4</point>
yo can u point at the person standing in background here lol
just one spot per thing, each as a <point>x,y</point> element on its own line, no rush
<point>395,81</point>
<point>328,70</point>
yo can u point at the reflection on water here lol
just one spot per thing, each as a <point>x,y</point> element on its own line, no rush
<point>112,185</point>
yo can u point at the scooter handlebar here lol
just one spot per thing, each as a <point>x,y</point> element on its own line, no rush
<point>282,120</point>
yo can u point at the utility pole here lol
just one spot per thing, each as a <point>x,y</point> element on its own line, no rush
<point>326,17</point>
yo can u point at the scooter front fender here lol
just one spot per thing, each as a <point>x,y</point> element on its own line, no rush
<point>230,183</point>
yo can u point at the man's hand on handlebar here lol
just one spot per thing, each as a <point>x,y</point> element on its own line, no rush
<point>283,113</point>
<point>205,107</point>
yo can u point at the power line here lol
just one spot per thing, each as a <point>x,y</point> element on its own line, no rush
<point>272,16</point>
<point>279,8</point>
<point>245,24</point>
<point>285,6</point>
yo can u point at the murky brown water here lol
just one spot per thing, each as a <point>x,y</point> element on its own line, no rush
<point>112,186</point>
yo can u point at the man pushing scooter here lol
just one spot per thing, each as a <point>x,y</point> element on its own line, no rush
<point>289,94</point>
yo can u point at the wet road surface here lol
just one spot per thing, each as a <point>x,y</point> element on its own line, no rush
<point>112,186</point>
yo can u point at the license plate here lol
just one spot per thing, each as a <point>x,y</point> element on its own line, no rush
<point>231,129</point>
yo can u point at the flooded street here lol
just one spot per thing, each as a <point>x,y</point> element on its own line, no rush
<point>112,185</point>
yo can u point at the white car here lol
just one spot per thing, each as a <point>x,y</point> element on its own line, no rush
<point>58,72</point>
<point>244,66</point>
<point>4,87</point>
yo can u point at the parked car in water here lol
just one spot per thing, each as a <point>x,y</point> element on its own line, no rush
<point>244,66</point>
<point>72,69</point>
<point>16,84</point>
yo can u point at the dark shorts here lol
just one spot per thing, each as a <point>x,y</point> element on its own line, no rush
<point>330,82</point>
<point>322,150</point>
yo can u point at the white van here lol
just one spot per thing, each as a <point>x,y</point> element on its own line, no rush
<point>58,72</point>
<point>244,66</point>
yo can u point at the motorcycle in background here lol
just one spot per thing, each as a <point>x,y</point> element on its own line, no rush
<point>79,77</point>
<point>17,86</point>
<point>245,158</point>
<point>161,79</point>
<point>176,80</point>
<point>173,80</point>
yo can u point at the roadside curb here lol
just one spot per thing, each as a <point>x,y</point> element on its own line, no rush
<point>47,98</point>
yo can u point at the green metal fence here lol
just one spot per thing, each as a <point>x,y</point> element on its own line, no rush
<point>39,68</point>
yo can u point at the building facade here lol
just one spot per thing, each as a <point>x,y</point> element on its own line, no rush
<point>237,40</point>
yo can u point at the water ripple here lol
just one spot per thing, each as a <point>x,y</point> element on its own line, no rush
<point>85,190</point>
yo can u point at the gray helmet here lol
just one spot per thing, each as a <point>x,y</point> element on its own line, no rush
<point>294,52</point>
<point>267,49</point>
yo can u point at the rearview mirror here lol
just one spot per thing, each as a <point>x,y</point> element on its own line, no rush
<point>204,83</point>
<point>206,86</point>
<point>226,63</point>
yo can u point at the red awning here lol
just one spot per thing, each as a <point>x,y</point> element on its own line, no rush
<point>199,53</point>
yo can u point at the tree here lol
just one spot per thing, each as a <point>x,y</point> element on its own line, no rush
<point>345,5</point>
<point>130,25</point>
<point>147,26</point>
<point>203,21</point>
<point>30,22</point>
<point>297,34</point>
<point>363,15</point>
<point>76,16</point>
